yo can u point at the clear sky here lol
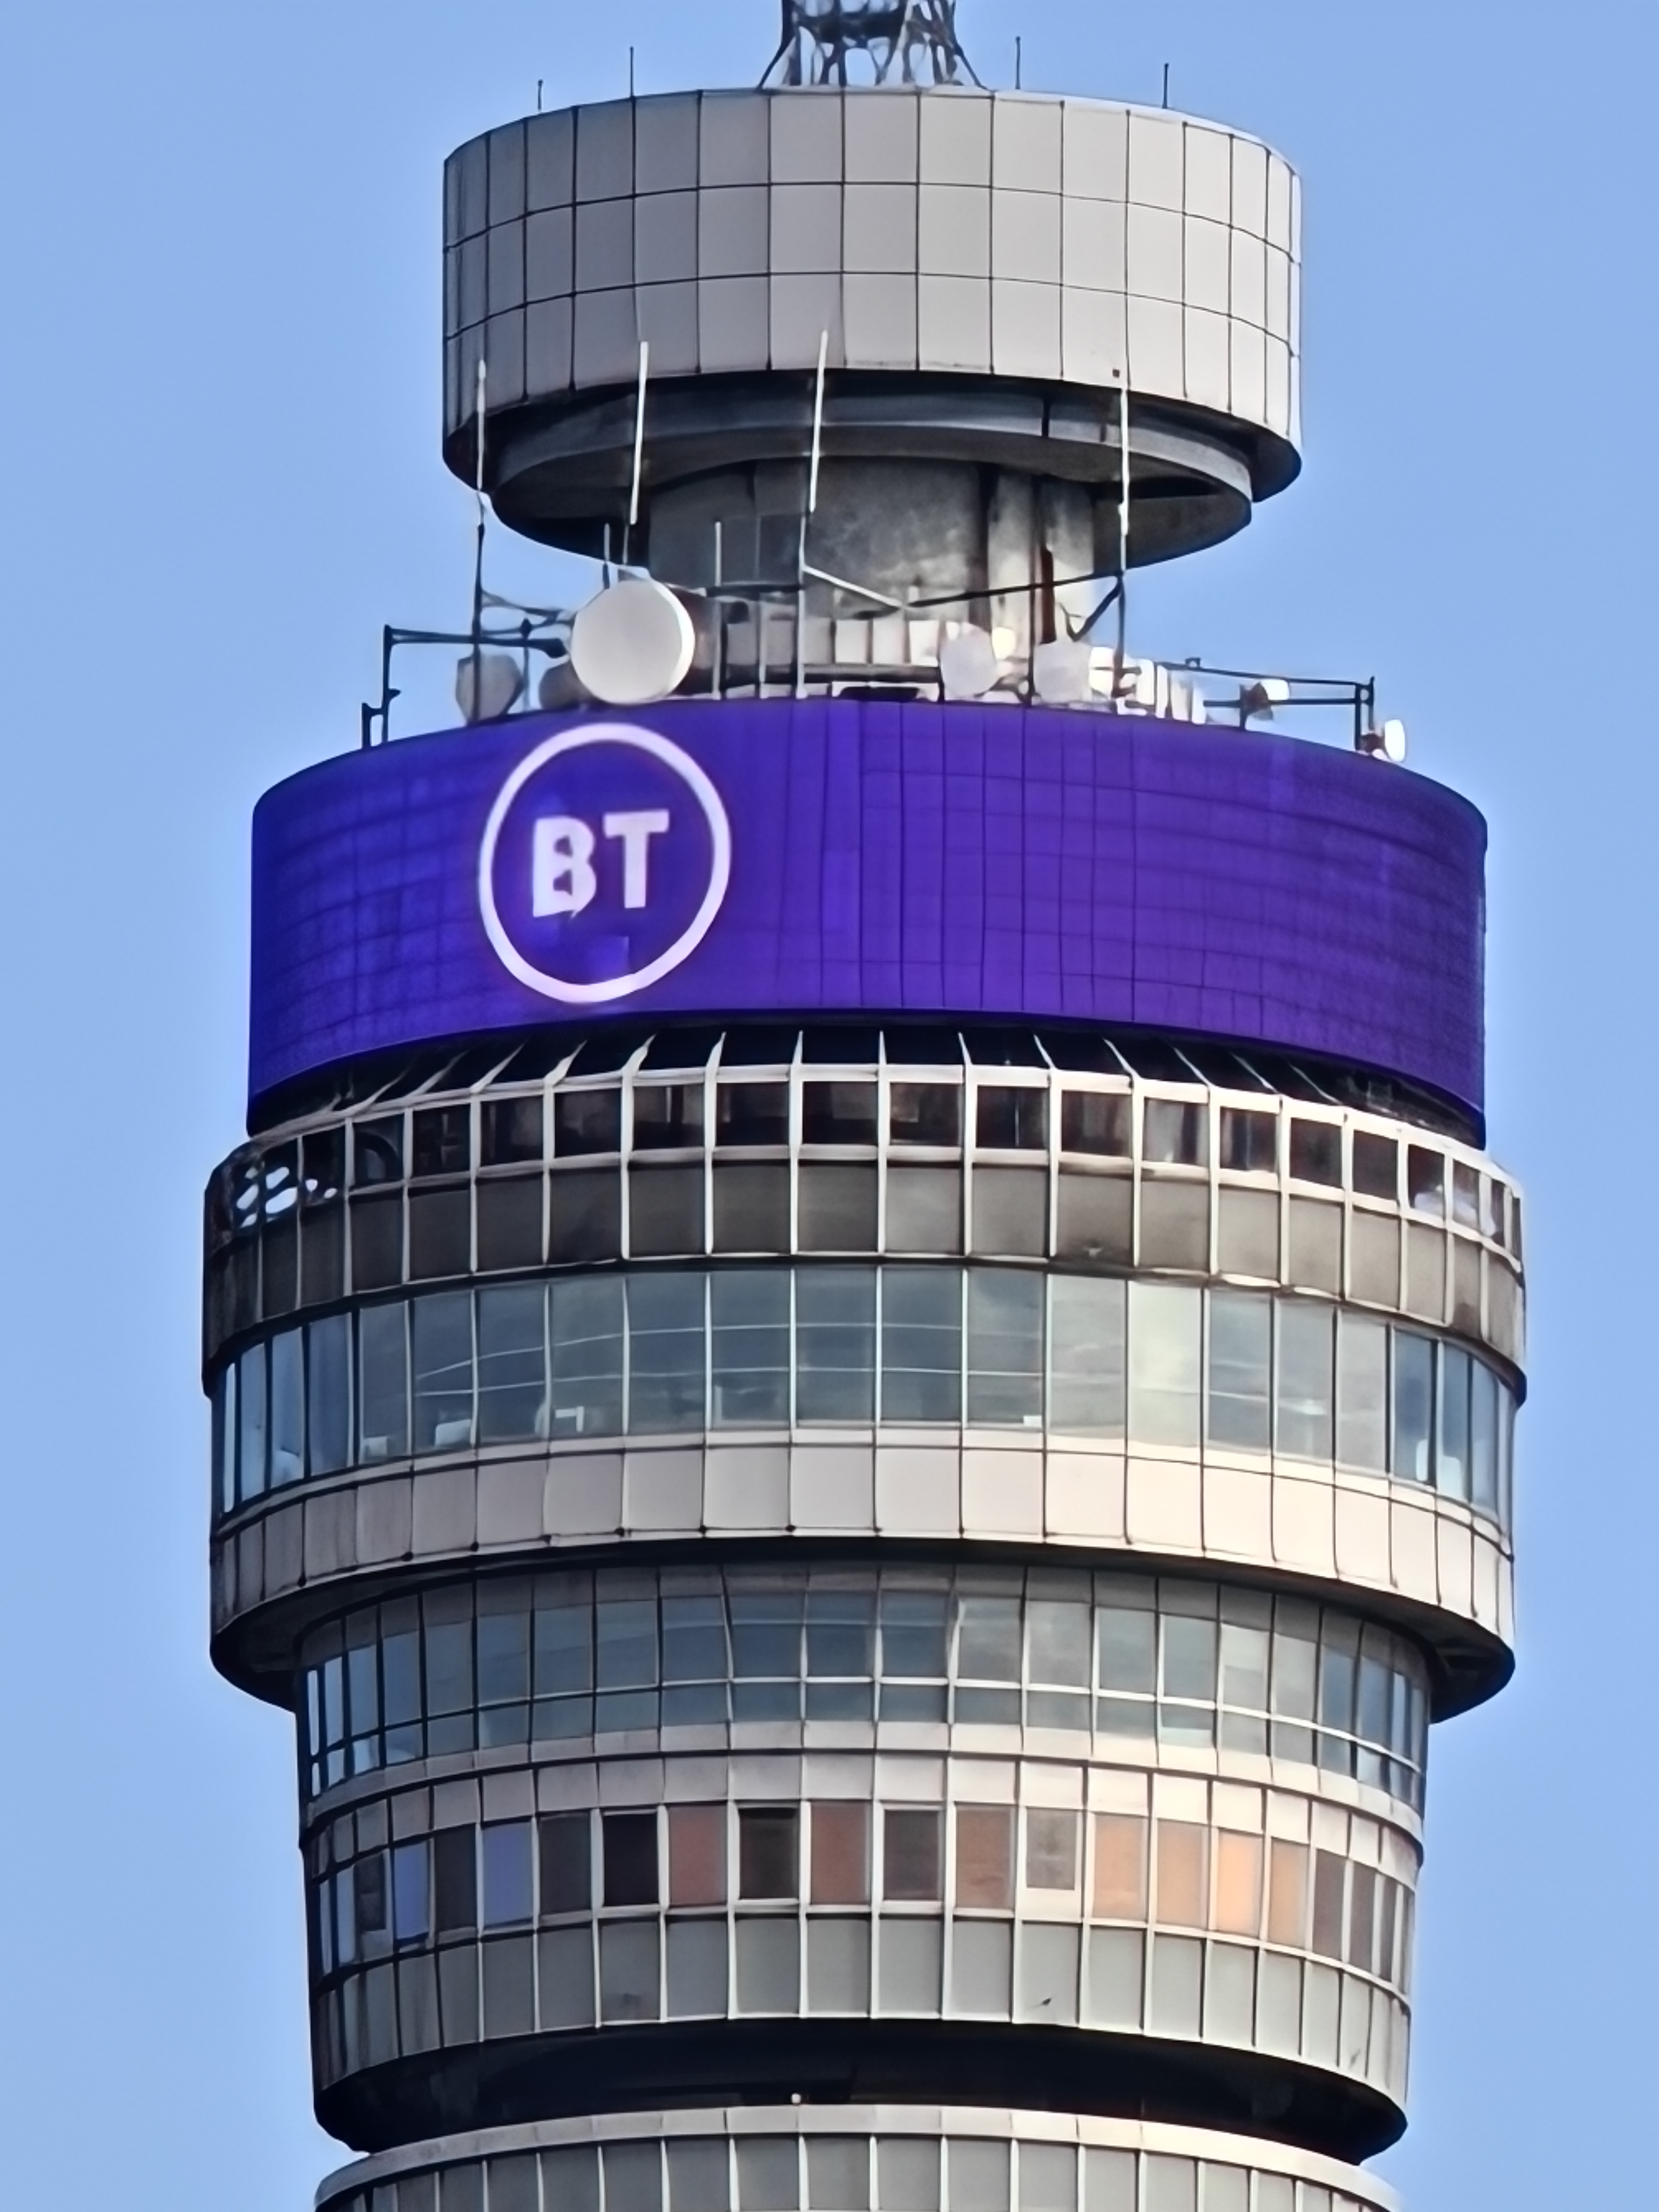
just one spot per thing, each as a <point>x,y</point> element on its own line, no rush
<point>218,391</point>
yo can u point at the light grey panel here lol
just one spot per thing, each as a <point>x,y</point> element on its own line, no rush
<point>912,1958</point>
<point>1026,155</point>
<point>1048,1974</point>
<point>1154,253</point>
<point>1026,236</point>
<point>732,231</point>
<point>1116,1965</point>
<point>1249,279</point>
<point>1025,329</point>
<point>1097,152</point>
<point>736,138</point>
<point>806,228</point>
<point>668,323</point>
<point>665,238</point>
<point>566,1975</point>
<point>955,325</point>
<point>1209,189</point>
<point>1157,346</point>
<point>1249,371</point>
<point>1095,349</point>
<point>733,323</point>
<point>769,1965</point>
<point>806,132</point>
<point>955,231</point>
<point>506,253</point>
<point>982,1967</point>
<point>1093,245</point>
<point>550,171</point>
<point>1278,294</point>
<point>882,138</point>
<point>606,340</point>
<point>604,151</point>
<point>1177,1983</point>
<point>666,144</point>
<point>605,245</point>
<point>547,347</point>
<point>881,321</point>
<point>956,139</point>
<point>1209,384</point>
<point>696,1969</point>
<point>550,254</point>
<point>881,228</point>
<point>802,309</point>
<point>507,174</point>
<point>1279,183</point>
<point>628,1972</point>
<point>1208,276</point>
<point>1157,161</point>
<point>1249,187</point>
<point>838,1966</point>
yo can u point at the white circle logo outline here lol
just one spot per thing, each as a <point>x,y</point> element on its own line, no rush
<point>702,790</point>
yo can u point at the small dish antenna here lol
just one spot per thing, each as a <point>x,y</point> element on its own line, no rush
<point>633,644</point>
<point>487,686</point>
<point>968,663</point>
<point>1062,671</point>
<point>1386,742</point>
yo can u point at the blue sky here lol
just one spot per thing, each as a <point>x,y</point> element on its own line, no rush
<point>219,395</point>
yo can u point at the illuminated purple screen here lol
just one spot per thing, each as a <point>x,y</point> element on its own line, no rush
<point>778,857</point>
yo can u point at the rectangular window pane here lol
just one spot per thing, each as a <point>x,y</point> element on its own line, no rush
<point>835,1344</point>
<point>1362,1393</point>
<point>382,1382</point>
<point>1050,1848</point>
<point>1303,1382</point>
<point>503,1657</point>
<point>1241,1366</point>
<point>411,1916</point>
<point>1163,1364</point>
<point>985,1858</point>
<point>507,1894</point>
<point>749,1312</point>
<point>1287,1895</point>
<point>328,1392</point>
<point>696,1855</point>
<point>666,1352</point>
<point>587,1359</point>
<point>768,1854</point>
<point>1174,1134</point>
<point>1004,1346</point>
<point>1095,1122</point>
<point>912,1872</point>
<point>567,1870</point>
<point>1414,1406</point>
<point>1329,1872</point>
<point>455,1884</point>
<point>1182,1873</point>
<point>841,1854</point>
<point>925,1114</point>
<point>1483,1437</point>
<point>1237,1884</point>
<point>1085,1356</point>
<point>1120,1867</point>
<point>512,1363</point>
<point>250,1421</point>
<point>287,1409</point>
<point>1451,1471</point>
<point>626,1644</point>
<point>921,1344</point>
<point>443,1371</point>
<point>224,1436</point>
<point>630,1858</point>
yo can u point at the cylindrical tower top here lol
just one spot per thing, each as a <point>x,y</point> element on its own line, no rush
<point>990,273</point>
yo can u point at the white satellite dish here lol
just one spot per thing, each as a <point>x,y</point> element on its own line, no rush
<point>1062,671</point>
<point>1386,742</point>
<point>968,663</point>
<point>632,645</point>
<point>487,686</point>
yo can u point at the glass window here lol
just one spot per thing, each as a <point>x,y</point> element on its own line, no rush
<point>1483,1437</point>
<point>630,1858</point>
<point>1249,1141</point>
<point>1414,1406</point>
<point>250,1421</point>
<point>1174,1135</point>
<point>410,1913</point>
<point>287,1409</point>
<point>1163,1364</point>
<point>921,1344</point>
<point>841,1854</point>
<point>1362,1393</point>
<point>667,1117</point>
<point>1376,1166</point>
<point>768,1853</point>
<point>383,1382</point>
<point>587,1359</point>
<point>443,1371</point>
<point>443,1140</point>
<point>911,1863</point>
<point>1425,1180</point>
<point>665,1352</point>
<point>985,1858</point>
<point>841,1653</point>
<point>512,1363</point>
<point>1237,1884</point>
<point>1329,1872</point>
<point>1182,1873</point>
<point>1119,1889</point>
<point>1011,1119</point>
<point>835,1344</point>
<point>1316,1152</point>
<point>1097,1122</point>
<point>915,1634</point>
<point>1451,1472</point>
<point>1287,1894</point>
<point>1086,1356</point>
<point>925,1114</point>
<point>749,1315</point>
<point>377,1149</point>
<point>840,1113</point>
<point>224,1436</point>
<point>512,1131</point>
<point>586,1123</point>
<point>766,1652</point>
<point>507,1881</point>
<point>1004,1346</point>
<point>626,1655</point>
<point>696,1855</point>
<point>752,1114</point>
<point>1305,1412</point>
<point>1241,1367</point>
<point>1050,1848</point>
<point>567,1871</point>
<point>328,1392</point>
<point>1127,1661</point>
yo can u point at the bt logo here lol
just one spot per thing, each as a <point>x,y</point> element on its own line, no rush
<point>605,859</point>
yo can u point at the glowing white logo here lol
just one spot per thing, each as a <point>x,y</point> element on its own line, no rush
<point>564,874</point>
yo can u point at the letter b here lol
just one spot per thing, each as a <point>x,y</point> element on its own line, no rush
<point>562,878</point>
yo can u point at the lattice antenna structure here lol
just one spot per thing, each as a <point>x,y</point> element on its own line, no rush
<point>908,41</point>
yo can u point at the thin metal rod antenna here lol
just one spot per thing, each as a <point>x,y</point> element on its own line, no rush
<point>639,450</point>
<point>806,513</point>
<point>1122,534</point>
<point>818,424</point>
<point>479,415</point>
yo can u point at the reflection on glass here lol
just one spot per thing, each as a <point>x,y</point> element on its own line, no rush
<point>835,1344</point>
<point>512,1363</point>
<point>1241,1332</point>
<point>287,1409</point>
<point>587,1359</point>
<point>1087,1381</point>
<point>921,1344</point>
<point>1164,1326</point>
<point>665,1347</point>
<point>328,1392</point>
<point>382,1382</point>
<point>750,1314</point>
<point>443,1371</point>
<point>1305,1410</point>
<point>1004,1346</point>
<point>1413,1406</point>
